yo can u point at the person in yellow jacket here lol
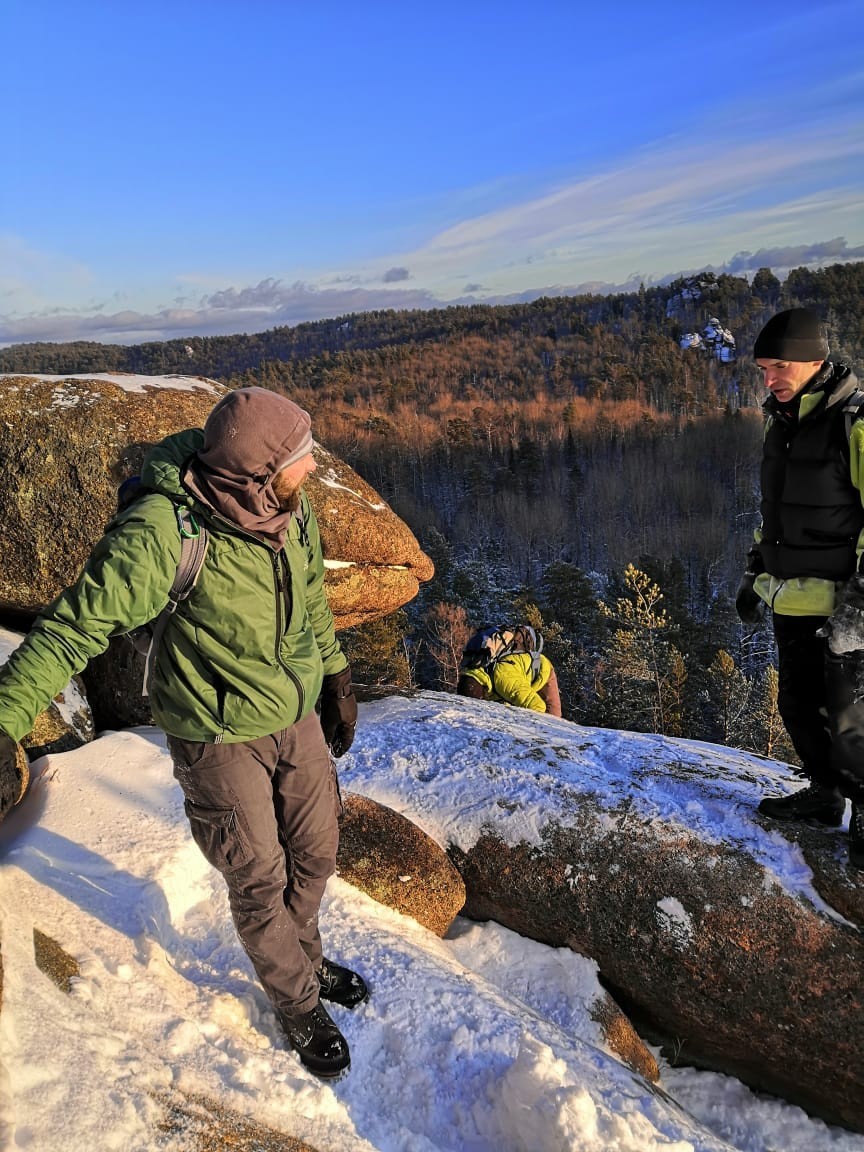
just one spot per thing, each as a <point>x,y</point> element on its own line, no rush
<point>514,672</point>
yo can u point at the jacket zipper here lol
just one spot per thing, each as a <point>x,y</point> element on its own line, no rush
<point>282,601</point>
<point>282,597</point>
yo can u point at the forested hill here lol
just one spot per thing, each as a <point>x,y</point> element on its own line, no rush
<point>587,464</point>
<point>565,325</point>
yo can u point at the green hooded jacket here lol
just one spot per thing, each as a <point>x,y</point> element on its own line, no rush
<point>243,657</point>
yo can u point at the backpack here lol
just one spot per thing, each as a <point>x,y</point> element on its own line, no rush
<point>194,540</point>
<point>852,410</point>
<point>484,647</point>
<point>528,639</point>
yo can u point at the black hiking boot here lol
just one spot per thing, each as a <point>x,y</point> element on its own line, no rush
<point>341,985</point>
<point>819,803</point>
<point>318,1042</point>
<point>856,836</point>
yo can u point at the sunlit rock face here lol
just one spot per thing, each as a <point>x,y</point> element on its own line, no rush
<point>67,442</point>
<point>701,942</point>
<point>397,864</point>
<point>373,563</point>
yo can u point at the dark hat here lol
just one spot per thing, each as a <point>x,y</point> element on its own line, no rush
<point>796,334</point>
<point>255,432</point>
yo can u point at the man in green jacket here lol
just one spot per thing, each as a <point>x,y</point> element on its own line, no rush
<point>806,565</point>
<point>237,673</point>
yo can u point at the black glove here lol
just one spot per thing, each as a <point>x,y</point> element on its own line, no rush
<point>338,711</point>
<point>748,603</point>
<point>845,626</point>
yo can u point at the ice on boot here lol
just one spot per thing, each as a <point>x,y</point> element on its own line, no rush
<point>318,1042</point>
<point>341,985</point>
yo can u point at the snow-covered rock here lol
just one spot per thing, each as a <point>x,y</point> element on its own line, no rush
<point>736,937</point>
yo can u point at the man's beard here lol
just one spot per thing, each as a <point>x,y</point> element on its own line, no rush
<point>288,495</point>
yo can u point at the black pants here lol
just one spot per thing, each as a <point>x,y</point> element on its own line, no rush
<point>821,701</point>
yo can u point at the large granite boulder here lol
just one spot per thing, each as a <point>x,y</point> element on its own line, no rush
<point>737,940</point>
<point>66,442</point>
<point>397,864</point>
<point>66,723</point>
<point>14,774</point>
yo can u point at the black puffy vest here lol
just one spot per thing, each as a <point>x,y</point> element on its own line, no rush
<point>811,513</point>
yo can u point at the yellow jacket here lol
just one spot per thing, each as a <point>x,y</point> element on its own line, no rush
<point>510,681</point>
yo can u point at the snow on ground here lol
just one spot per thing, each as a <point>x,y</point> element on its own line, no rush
<point>475,1043</point>
<point>128,381</point>
<point>450,764</point>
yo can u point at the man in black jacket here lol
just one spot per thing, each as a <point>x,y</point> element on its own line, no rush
<point>806,565</point>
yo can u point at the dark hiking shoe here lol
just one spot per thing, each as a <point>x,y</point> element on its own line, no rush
<point>318,1042</point>
<point>824,805</point>
<point>856,836</point>
<point>341,985</point>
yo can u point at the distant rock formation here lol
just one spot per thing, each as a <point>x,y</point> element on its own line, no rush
<point>714,340</point>
<point>689,299</point>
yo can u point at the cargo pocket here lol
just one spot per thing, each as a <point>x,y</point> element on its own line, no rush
<point>219,835</point>
<point>335,790</point>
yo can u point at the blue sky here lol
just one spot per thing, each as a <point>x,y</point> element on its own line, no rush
<point>211,166</point>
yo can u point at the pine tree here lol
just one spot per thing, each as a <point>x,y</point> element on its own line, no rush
<point>378,653</point>
<point>730,704</point>
<point>644,674</point>
<point>769,735</point>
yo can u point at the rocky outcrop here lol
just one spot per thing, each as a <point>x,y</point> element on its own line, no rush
<point>373,563</point>
<point>66,723</point>
<point>397,864</point>
<point>67,442</point>
<point>738,975</point>
<point>737,940</point>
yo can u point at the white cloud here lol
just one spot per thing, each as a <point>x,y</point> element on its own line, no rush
<point>665,210</point>
<point>654,197</point>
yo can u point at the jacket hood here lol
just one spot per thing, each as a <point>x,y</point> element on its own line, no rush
<point>164,463</point>
<point>249,436</point>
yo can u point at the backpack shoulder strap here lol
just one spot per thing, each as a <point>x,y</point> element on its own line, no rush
<point>852,410</point>
<point>194,541</point>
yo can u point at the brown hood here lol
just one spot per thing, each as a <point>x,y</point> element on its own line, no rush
<point>249,436</point>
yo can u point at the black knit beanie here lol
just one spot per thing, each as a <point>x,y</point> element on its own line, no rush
<point>796,334</point>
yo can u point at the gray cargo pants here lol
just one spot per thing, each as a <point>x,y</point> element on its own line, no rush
<point>264,813</point>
